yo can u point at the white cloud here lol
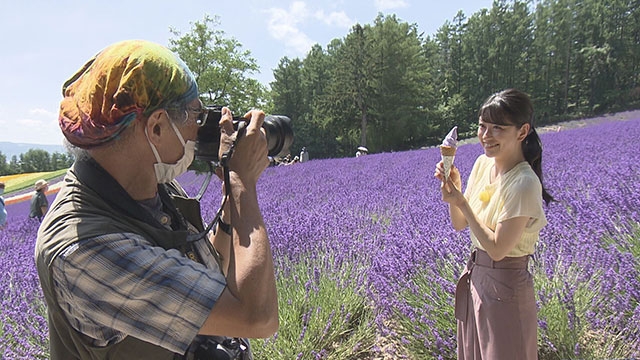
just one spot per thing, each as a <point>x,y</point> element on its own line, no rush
<point>382,5</point>
<point>30,123</point>
<point>335,18</point>
<point>284,24</point>
<point>39,127</point>
<point>43,112</point>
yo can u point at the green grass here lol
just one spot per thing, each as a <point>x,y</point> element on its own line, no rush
<point>565,302</point>
<point>561,312</point>
<point>319,316</point>
<point>324,312</point>
<point>419,332</point>
<point>24,181</point>
<point>566,334</point>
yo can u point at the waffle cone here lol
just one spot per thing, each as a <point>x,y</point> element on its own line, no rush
<point>447,162</point>
<point>447,150</point>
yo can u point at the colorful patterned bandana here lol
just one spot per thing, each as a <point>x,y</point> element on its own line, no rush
<point>123,81</point>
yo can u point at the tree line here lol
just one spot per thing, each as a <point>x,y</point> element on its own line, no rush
<point>386,86</point>
<point>389,87</point>
<point>34,160</point>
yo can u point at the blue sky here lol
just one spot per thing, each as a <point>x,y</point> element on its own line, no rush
<point>43,42</point>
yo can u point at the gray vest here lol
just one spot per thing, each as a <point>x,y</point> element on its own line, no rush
<point>89,204</point>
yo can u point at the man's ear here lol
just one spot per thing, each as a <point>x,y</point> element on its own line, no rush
<point>154,125</point>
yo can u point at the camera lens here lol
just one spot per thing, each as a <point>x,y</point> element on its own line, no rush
<point>279,134</point>
<point>278,131</point>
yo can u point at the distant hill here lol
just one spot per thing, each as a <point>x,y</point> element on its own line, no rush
<point>9,149</point>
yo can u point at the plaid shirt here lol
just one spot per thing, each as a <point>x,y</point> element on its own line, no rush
<point>119,285</point>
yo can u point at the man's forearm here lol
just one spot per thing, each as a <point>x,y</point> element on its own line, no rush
<point>251,273</point>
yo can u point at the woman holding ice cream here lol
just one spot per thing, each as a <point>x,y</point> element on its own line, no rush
<point>502,206</point>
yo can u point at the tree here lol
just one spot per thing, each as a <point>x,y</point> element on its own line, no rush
<point>312,131</point>
<point>384,86</point>
<point>4,167</point>
<point>286,90</point>
<point>221,68</point>
<point>398,118</point>
<point>61,161</point>
<point>350,91</point>
<point>35,160</point>
<point>14,166</point>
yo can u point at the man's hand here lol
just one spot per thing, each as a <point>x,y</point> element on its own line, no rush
<point>250,154</point>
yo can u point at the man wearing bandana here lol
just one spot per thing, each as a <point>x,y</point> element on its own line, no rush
<point>121,271</point>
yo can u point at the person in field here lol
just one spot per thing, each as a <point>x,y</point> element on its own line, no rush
<point>495,303</point>
<point>127,268</point>
<point>39,202</point>
<point>3,209</point>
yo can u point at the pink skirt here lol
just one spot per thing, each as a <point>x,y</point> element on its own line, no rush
<point>496,309</point>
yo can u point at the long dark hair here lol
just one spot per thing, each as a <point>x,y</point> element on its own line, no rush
<point>514,107</point>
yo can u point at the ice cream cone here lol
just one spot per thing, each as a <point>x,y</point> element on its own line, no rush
<point>448,150</point>
<point>448,154</point>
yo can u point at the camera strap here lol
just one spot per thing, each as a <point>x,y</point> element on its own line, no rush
<point>224,164</point>
<point>215,347</point>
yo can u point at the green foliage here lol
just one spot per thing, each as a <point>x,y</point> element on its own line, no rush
<point>4,167</point>
<point>565,300</point>
<point>386,87</point>
<point>560,312</point>
<point>28,180</point>
<point>34,160</point>
<point>564,333</point>
<point>319,315</point>
<point>222,69</point>
<point>419,332</point>
<point>13,342</point>
<point>631,243</point>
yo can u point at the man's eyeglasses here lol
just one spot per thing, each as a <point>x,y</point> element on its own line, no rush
<point>200,113</point>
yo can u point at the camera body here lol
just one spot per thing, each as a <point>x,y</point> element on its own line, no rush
<point>278,131</point>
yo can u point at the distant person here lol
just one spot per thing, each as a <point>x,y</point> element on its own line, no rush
<point>286,160</point>
<point>39,202</point>
<point>304,155</point>
<point>362,151</point>
<point>3,209</point>
<point>495,303</point>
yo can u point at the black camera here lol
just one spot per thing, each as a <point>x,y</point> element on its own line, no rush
<point>277,128</point>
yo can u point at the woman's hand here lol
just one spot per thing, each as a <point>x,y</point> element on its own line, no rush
<point>451,188</point>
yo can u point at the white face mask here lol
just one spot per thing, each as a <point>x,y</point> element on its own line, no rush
<point>1,191</point>
<point>168,172</point>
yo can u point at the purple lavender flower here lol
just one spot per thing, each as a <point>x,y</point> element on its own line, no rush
<point>381,215</point>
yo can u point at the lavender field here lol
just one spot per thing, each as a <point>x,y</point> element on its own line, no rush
<point>372,231</point>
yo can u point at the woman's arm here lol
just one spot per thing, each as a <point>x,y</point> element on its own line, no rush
<point>458,220</point>
<point>497,243</point>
